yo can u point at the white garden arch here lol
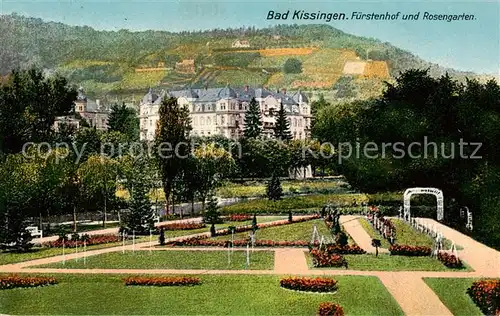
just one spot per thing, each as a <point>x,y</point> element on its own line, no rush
<point>436,192</point>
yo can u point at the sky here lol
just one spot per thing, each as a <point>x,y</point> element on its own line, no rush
<point>463,45</point>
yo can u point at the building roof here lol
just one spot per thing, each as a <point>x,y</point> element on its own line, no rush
<point>300,97</point>
<point>81,95</point>
<point>150,97</point>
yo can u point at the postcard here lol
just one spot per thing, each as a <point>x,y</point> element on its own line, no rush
<point>249,157</point>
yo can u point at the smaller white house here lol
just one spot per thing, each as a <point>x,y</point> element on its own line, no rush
<point>240,43</point>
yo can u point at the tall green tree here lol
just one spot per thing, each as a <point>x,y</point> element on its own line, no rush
<point>282,126</point>
<point>171,141</point>
<point>29,104</point>
<point>124,120</point>
<point>253,120</point>
<point>274,189</point>
<point>140,217</point>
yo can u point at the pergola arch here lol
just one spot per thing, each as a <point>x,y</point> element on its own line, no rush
<point>436,192</point>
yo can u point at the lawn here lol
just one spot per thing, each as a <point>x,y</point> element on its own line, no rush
<point>38,253</point>
<point>373,233</point>
<point>385,262</point>
<point>405,235</point>
<point>292,232</point>
<point>174,259</point>
<point>452,292</point>
<point>217,295</point>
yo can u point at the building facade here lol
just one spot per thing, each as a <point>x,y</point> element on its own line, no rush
<point>93,112</point>
<point>221,111</point>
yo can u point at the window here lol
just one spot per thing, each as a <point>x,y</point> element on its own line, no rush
<point>222,121</point>
<point>150,122</point>
<point>241,107</point>
<point>300,122</point>
<point>209,121</point>
<point>202,121</point>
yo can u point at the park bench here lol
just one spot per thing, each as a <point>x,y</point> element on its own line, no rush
<point>33,230</point>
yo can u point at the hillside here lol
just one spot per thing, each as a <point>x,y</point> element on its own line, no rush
<point>123,63</point>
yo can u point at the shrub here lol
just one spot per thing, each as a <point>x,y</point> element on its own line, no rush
<point>162,281</point>
<point>411,251</point>
<point>309,284</point>
<point>292,66</point>
<point>330,309</point>
<point>11,282</point>
<point>203,241</point>
<point>345,250</point>
<point>181,226</point>
<point>486,295</point>
<point>450,260</point>
<point>324,259</point>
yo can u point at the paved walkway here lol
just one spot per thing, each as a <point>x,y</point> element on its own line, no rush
<point>358,234</point>
<point>407,287</point>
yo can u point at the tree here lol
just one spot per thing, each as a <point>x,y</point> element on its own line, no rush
<point>292,66</point>
<point>171,139</point>
<point>212,215</point>
<point>99,175</point>
<point>140,217</point>
<point>253,120</point>
<point>282,127</point>
<point>29,104</point>
<point>124,120</point>
<point>274,189</point>
<point>211,165</point>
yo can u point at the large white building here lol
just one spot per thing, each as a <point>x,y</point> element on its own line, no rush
<point>221,111</point>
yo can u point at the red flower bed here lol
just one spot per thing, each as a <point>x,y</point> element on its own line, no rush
<point>325,259</point>
<point>486,295</point>
<point>309,284</point>
<point>345,250</point>
<point>411,251</point>
<point>162,281</point>
<point>11,282</point>
<point>181,226</point>
<point>91,240</point>
<point>203,241</point>
<point>239,217</point>
<point>450,260</point>
<point>330,309</point>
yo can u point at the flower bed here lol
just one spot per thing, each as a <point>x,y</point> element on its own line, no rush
<point>203,241</point>
<point>330,309</point>
<point>181,226</point>
<point>11,282</point>
<point>239,217</point>
<point>450,260</point>
<point>486,295</point>
<point>324,259</point>
<point>90,240</point>
<point>162,281</point>
<point>345,250</point>
<point>309,284</point>
<point>411,251</point>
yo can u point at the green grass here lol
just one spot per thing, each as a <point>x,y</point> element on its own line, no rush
<point>291,232</point>
<point>174,259</point>
<point>385,262</point>
<point>38,253</point>
<point>373,233</point>
<point>217,295</point>
<point>452,292</point>
<point>258,189</point>
<point>81,228</point>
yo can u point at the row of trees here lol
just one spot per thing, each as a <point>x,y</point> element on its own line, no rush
<point>436,114</point>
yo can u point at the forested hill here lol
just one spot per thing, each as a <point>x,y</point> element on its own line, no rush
<point>111,56</point>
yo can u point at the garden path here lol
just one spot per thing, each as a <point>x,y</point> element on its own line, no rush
<point>407,287</point>
<point>358,233</point>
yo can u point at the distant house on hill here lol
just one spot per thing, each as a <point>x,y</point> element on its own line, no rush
<point>185,66</point>
<point>240,43</point>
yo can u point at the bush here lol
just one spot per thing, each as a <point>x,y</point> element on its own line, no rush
<point>162,281</point>
<point>330,309</point>
<point>411,251</point>
<point>309,284</point>
<point>292,66</point>
<point>11,282</point>
<point>324,259</point>
<point>486,295</point>
<point>450,260</point>
<point>203,241</point>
